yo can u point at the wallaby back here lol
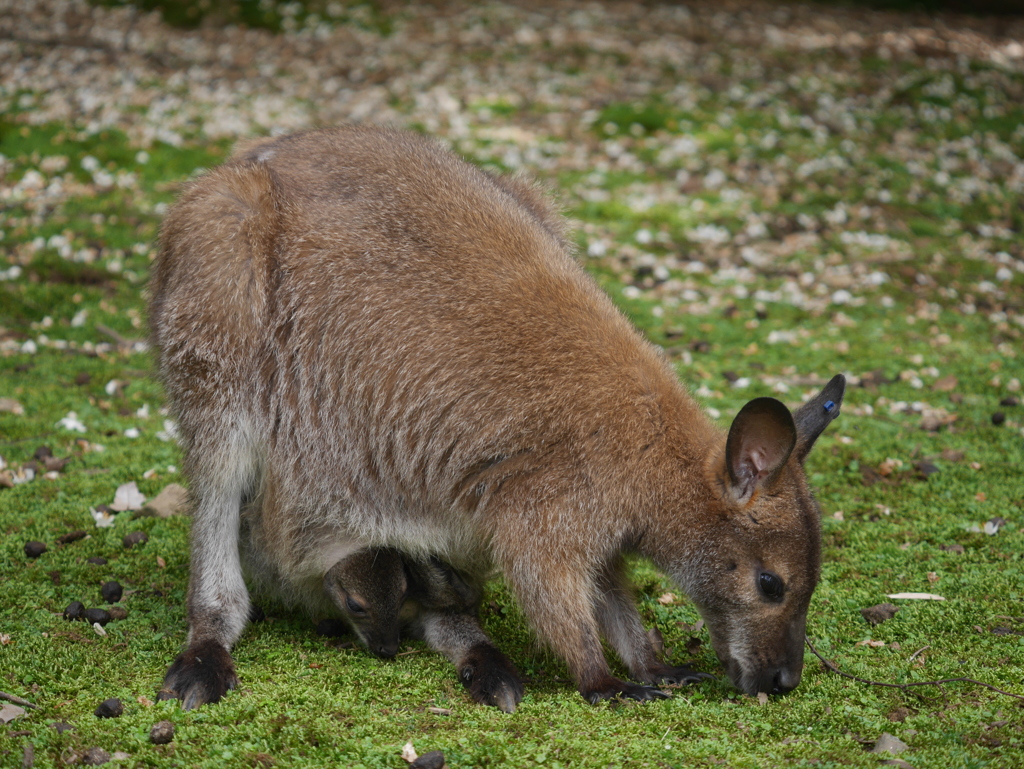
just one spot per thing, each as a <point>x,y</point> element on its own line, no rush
<point>403,348</point>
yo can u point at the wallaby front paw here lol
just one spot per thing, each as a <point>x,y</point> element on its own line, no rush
<point>491,678</point>
<point>613,689</point>
<point>202,673</point>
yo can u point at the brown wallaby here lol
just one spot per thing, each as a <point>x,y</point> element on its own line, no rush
<point>367,340</point>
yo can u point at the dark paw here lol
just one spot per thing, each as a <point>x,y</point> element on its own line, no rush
<point>491,679</point>
<point>614,689</point>
<point>202,673</point>
<point>667,674</point>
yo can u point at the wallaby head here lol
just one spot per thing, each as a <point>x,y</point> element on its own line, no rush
<point>759,553</point>
<point>369,588</point>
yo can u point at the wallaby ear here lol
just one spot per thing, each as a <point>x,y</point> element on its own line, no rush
<point>760,441</point>
<point>814,416</point>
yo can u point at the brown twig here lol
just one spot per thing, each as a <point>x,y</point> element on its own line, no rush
<point>914,655</point>
<point>836,670</point>
<point>17,700</point>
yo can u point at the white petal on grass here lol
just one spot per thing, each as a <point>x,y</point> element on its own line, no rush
<point>104,520</point>
<point>132,432</point>
<point>128,497</point>
<point>916,596</point>
<point>72,422</point>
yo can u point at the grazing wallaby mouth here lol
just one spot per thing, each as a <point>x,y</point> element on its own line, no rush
<point>370,343</point>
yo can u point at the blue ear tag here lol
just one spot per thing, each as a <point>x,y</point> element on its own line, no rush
<point>829,405</point>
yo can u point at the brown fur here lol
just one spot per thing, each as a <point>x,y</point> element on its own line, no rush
<point>368,341</point>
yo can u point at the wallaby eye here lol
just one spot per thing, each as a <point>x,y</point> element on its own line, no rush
<point>353,606</point>
<point>771,585</point>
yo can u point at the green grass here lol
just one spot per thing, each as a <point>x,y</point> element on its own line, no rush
<point>307,702</point>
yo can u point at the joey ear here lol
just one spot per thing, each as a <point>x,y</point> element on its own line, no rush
<point>814,416</point>
<point>760,441</point>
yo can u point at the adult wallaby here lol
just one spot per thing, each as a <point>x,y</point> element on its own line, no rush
<point>402,347</point>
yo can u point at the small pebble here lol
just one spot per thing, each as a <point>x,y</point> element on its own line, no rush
<point>75,610</point>
<point>117,613</point>
<point>34,549</point>
<point>135,538</point>
<point>1011,400</point>
<point>878,614</point>
<point>161,733</point>
<point>111,592</point>
<point>432,760</point>
<point>111,708</point>
<point>62,726</point>
<point>95,757</point>
<point>997,419</point>
<point>97,561</point>
<point>101,616</point>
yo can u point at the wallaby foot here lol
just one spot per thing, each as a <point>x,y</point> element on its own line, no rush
<point>682,674</point>
<point>491,678</point>
<point>612,689</point>
<point>202,673</point>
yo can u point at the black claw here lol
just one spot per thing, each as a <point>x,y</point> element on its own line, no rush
<point>614,689</point>
<point>681,675</point>
<point>491,678</point>
<point>201,674</point>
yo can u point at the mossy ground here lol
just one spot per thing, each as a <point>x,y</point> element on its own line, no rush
<point>938,307</point>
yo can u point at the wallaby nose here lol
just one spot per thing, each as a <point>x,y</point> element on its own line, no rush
<point>387,650</point>
<point>785,681</point>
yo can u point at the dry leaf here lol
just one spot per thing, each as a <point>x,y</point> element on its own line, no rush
<point>409,753</point>
<point>667,599</point>
<point>945,384</point>
<point>127,497</point>
<point>12,406</point>
<point>161,562</point>
<point>873,644</point>
<point>172,500</point>
<point>916,596</point>
<point>762,698</point>
<point>657,640</point>
<point>440,711</point>
<point>9,712</point>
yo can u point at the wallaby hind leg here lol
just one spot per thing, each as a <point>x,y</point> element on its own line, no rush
<point>488,675</point>
<point>620,623</point>
<point>218,602</point>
